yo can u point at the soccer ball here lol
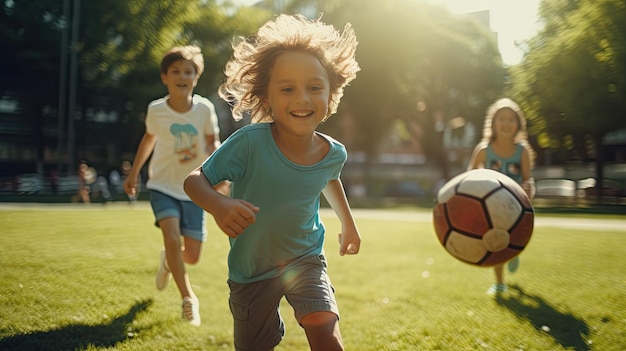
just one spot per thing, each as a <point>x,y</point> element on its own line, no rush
<point>483,217</point>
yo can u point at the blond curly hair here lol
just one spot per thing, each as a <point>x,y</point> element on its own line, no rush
<point>249,69</point>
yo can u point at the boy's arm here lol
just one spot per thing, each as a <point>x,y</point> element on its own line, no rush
<point>349,238</point>
<point>231,215</point>
<point>212,143</point>
<point>143,152</point>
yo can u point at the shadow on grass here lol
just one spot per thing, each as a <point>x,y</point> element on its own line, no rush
<point>78,336</point>
<point>565,328</point>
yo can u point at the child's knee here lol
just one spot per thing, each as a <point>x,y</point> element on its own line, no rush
<point>191,259</point>
<point>322,329</point>
<point>191,256</point>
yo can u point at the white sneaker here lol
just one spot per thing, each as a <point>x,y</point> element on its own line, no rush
<point>191,310</point>
<point>497,289</point>
<point>163,274</point>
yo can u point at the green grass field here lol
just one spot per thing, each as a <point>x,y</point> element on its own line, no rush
<point>82,278</point>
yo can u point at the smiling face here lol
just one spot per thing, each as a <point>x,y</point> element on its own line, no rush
<point>505,123</point>
<point>298,92</point>
<point>180,79</point>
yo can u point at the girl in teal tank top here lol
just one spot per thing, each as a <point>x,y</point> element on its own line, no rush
<point>505,148</point>
<point>510,166</point>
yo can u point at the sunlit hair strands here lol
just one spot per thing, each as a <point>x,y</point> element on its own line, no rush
<point>248,71</point>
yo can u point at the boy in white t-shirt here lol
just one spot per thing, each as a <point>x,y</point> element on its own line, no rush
<point>181,131</point>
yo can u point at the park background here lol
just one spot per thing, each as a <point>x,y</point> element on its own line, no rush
<point>77,77</point>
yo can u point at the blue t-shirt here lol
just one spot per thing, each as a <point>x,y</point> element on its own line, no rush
<point>511,166</point>
<point>288,227</point>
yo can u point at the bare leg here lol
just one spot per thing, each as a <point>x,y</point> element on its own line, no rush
<point>499,271</point>
<point>171,239</point>
<point>191,250</point>
<point>322,331</point>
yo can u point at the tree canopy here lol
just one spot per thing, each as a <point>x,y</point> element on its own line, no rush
<point>421,65</point>
<point>411,54</point>
<point>572,81</point>
<point>117,45</point>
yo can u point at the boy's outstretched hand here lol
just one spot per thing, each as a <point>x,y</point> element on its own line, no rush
<point>235,216</point>
<point>349,242</point>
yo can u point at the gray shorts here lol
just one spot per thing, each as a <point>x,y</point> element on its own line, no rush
<point>255,306</point>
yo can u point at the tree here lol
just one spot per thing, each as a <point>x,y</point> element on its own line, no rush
<point>420,65</point>
<point>118,48</point>
<point>572,82</point>
<point>214,31</point>
<point>118,64</point>
<point>29,33</point>
<point>113,39</point>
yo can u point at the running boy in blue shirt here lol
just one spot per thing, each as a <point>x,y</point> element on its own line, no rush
<point>290,75</point>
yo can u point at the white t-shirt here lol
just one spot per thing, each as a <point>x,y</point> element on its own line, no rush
<point>180,145</point>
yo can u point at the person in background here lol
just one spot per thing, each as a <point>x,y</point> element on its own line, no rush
<point>86,177</point>
<point>115,182</point>
<point>504,148</point>
<point>181,131</point>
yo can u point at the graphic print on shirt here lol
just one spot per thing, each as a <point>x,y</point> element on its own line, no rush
<point>186,141</point>
<point>511,168</point>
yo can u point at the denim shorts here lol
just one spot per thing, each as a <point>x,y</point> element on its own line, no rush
<point>192,218</point>
<point>255,306</point>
